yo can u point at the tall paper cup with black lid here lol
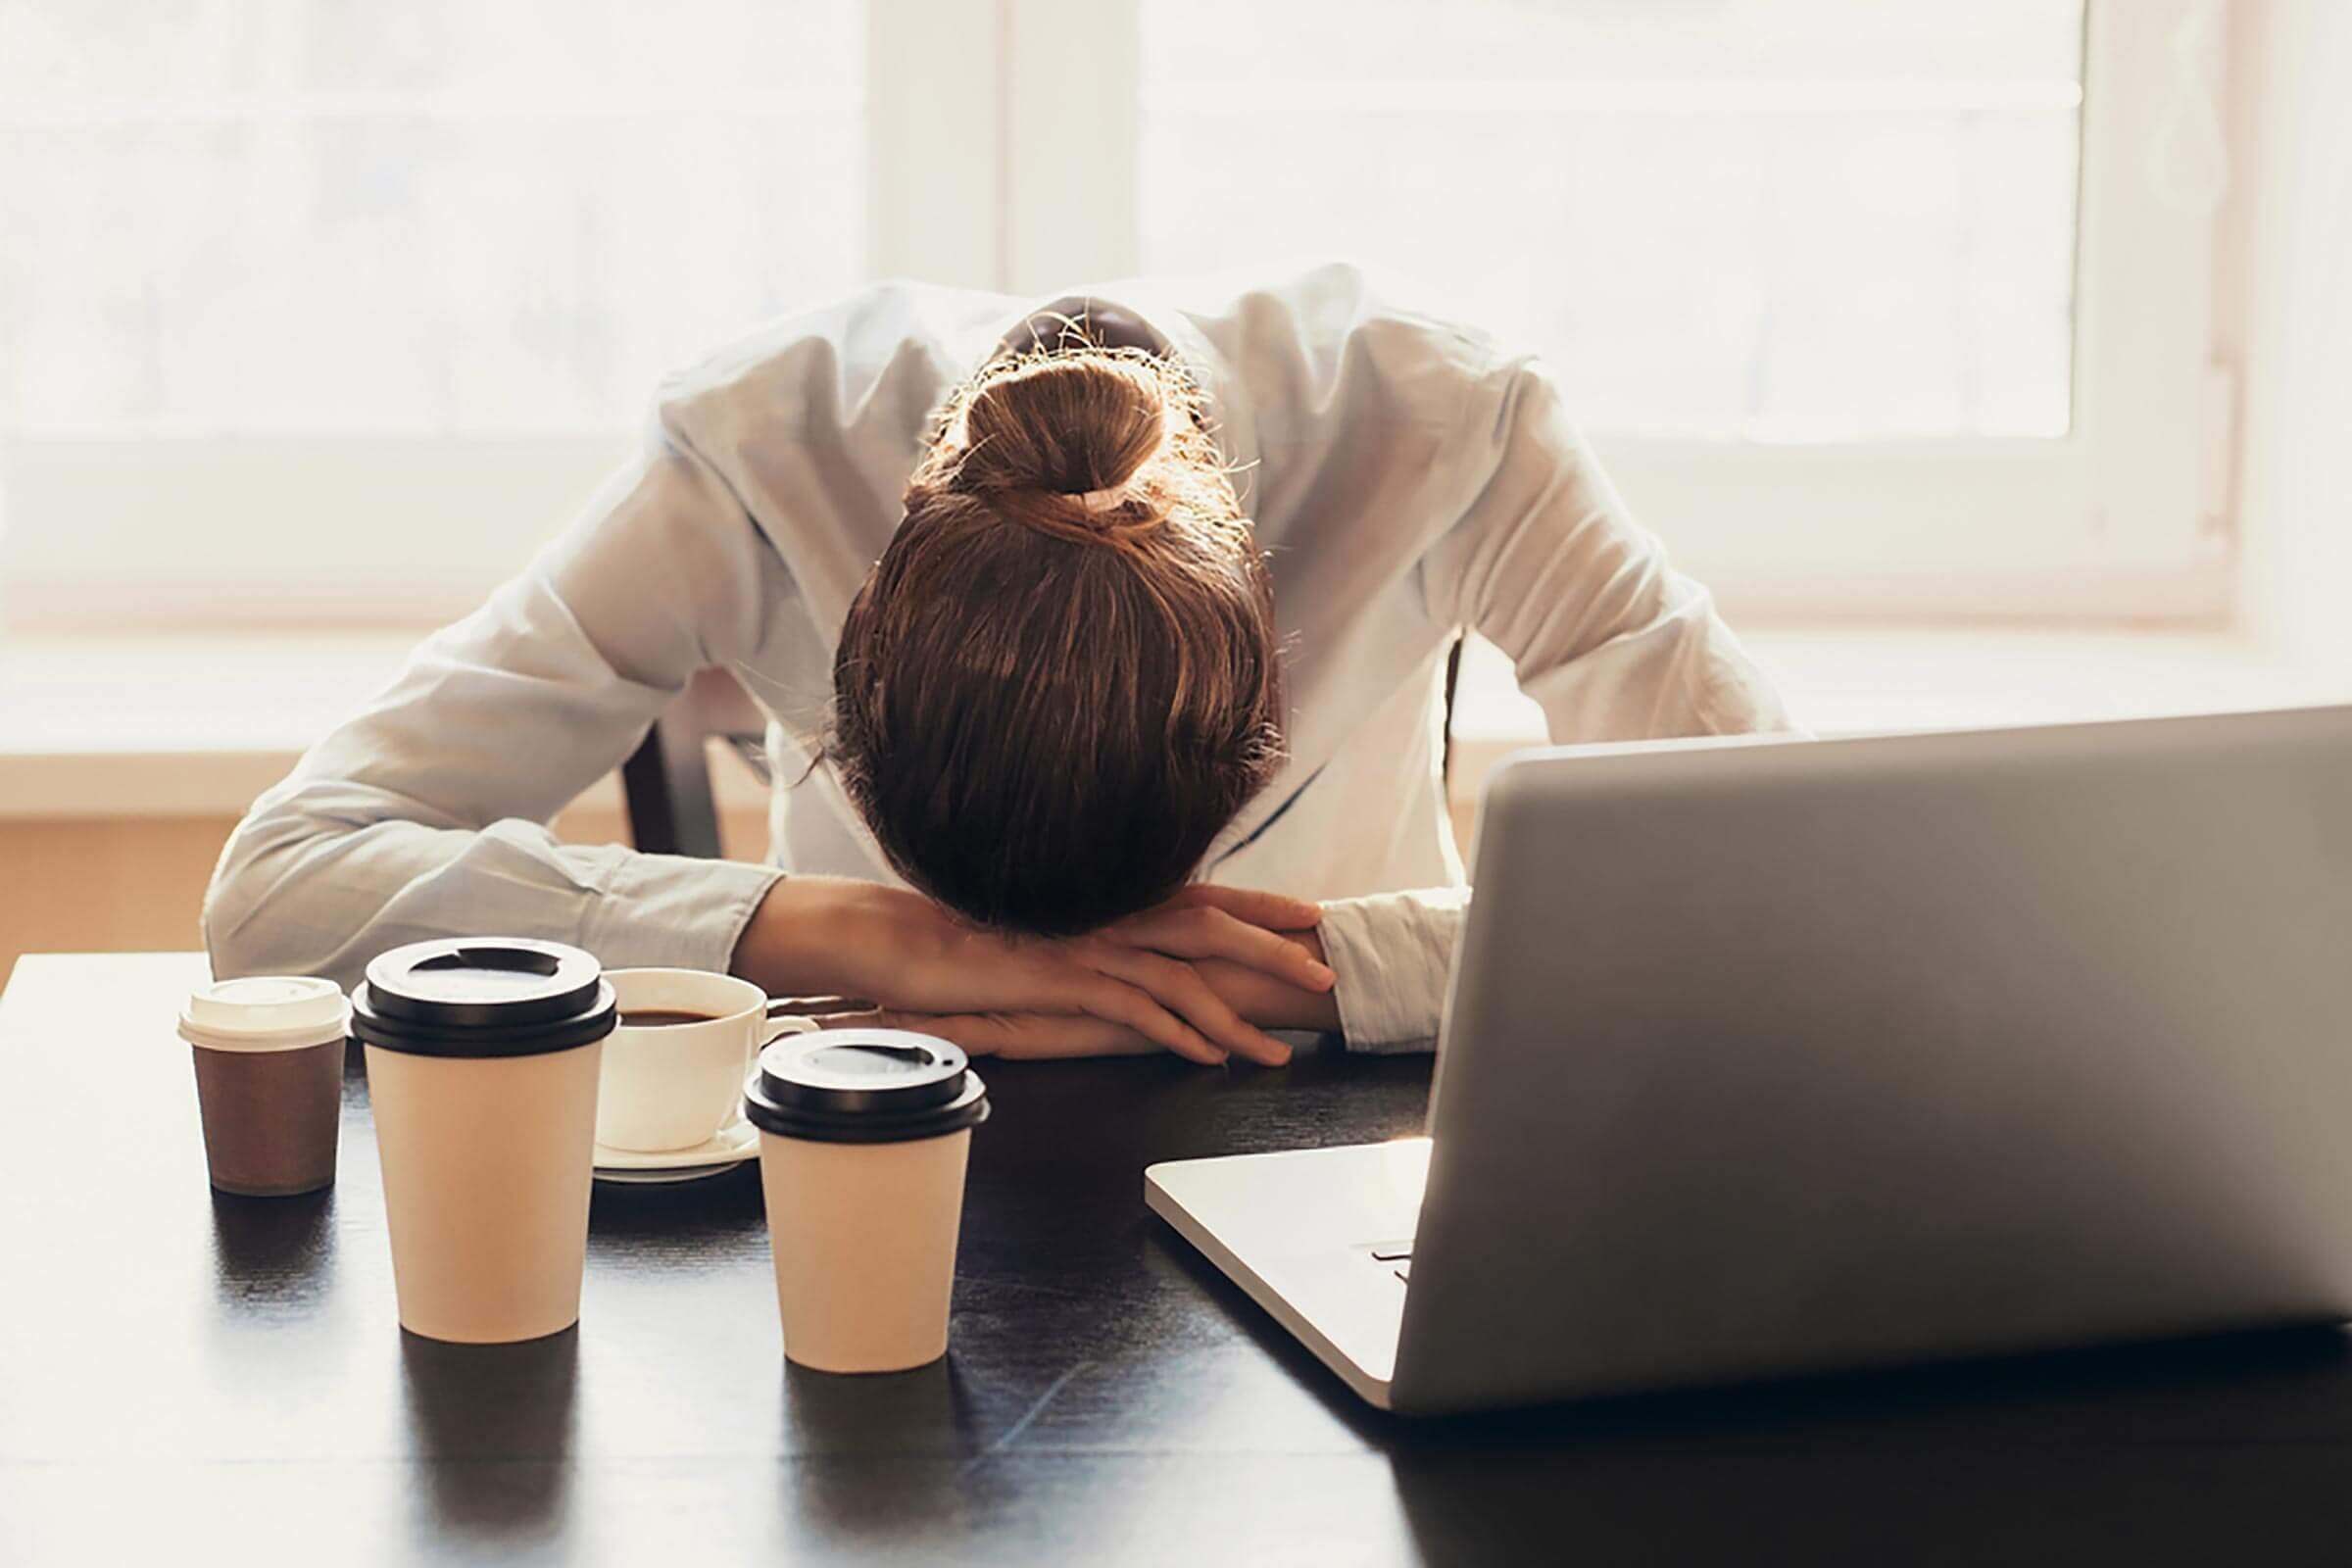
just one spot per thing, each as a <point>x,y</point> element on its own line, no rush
<point>864,1137</point>
<point>483,1062</point>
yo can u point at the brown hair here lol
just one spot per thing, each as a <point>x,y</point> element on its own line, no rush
<point>1062,680</point>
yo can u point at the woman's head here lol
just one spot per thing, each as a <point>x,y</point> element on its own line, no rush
<point>1061,679</point>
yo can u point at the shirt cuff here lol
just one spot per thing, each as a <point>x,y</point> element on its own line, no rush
<point>1392,954</point>
<point>674,912</point>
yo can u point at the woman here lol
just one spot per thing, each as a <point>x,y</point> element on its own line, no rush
<point>1048,622</point>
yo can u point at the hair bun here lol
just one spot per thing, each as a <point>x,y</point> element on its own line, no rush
<point>1064,424</point>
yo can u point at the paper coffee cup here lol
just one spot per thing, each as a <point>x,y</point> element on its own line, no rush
<point>864,1135</point>
<point>268,1055</point>
<point>675,1085</point>
<point>483,1060</point>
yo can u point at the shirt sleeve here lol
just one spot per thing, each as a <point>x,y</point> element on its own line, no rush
<point>1607,637</point>
<point>427,813</point>
<point>1548,562</point>
<point>1389,954</point>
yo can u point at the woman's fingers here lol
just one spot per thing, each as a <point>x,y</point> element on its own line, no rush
<point>1030,1036</point>
<point>1140,980</point>
<point>980,1034</point>
<point>1174,986</point>
<point>1203,931</point>
<point>1115,1000</point>
<point>1275,912</point>
<point>987,976</point>
<point>1043,1034</point>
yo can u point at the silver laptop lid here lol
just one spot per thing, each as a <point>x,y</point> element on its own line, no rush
<point>1783,1057</point>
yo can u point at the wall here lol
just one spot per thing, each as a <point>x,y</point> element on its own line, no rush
<point>135,884</point>
<point>2297,489</point>
<point>104,884</point>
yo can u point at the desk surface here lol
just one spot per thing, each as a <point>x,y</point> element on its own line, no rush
<point>182,1374</point>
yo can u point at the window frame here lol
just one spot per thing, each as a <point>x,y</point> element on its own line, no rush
<point>984,121</point>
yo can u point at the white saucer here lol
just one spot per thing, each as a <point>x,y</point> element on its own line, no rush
<point>735,1143</point>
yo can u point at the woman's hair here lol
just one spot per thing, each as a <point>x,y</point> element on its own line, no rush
<point>1062,680</point>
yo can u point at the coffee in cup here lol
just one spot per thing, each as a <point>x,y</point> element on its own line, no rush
<point>268,1052</point>
<point>483,1061</point>
<point>863,1138</point>
<point>675,1068</point>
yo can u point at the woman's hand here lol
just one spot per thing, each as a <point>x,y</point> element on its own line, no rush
<point>822,935</point>
<point>1261,997</point>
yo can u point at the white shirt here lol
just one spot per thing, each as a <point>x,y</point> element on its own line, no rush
<point>1409,477</point>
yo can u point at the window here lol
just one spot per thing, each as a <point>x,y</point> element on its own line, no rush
<point>1805,221</point>
<point>335,310</point>
<point>323,309</point>
<point>1873,310</point>
<point>1871,307</point>
<point>431,217</point>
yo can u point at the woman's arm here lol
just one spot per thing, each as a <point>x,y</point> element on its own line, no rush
<point>1150,982</point>
<point>1547,562</point>
<point>428,812</point>
<point>1289,989</point>
<point>1606,636</point>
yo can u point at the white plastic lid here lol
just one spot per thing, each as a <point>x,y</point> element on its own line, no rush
<point>266,1012</point>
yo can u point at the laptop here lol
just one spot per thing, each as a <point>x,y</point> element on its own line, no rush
<point>1769,1058</point>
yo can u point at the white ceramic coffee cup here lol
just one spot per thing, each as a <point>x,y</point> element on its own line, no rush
<point>675,1085</point>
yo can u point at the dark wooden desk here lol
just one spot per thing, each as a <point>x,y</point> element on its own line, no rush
<point>184,1375</point>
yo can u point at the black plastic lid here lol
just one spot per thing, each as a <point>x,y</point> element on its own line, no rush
<point>863,1086</point>
<point>483,997</point>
